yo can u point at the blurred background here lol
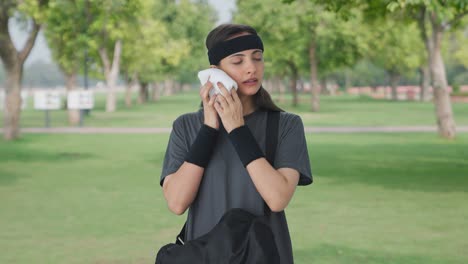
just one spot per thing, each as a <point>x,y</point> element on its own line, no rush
<point>89,90</point>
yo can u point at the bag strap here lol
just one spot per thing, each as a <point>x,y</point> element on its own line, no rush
<point>272,135</point>
<point>270,149</point>
<point>271,143</point>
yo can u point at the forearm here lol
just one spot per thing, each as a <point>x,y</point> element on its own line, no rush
<point>275,186</point>
<point>181,187</point>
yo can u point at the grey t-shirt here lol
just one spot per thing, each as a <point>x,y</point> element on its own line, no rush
<point>226,183</point>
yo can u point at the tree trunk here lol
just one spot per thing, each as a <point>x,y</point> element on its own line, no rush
<point>128,95</point>
<point>128,90</point>
<point>314,83</point>
<point>275,83</point>
<point>293,83</point>
<point>443,105</point>
<point>12,109</point>
<point>112,73</point>
<point>424,82</point>
<point>143,94</point>
<point>267,85</point>
<point>348,80</point>
<point>73,114</point>
<point>156,91</point>
<point>282,91</point>
<point>323,86</point>
<point>394,80</point>
<point>186,87</point>
<point>13,61</point>
<point>168,87</point>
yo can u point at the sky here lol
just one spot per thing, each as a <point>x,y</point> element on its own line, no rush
<point>41,52</point>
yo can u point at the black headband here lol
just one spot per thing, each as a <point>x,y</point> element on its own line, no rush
<point>228,47</point>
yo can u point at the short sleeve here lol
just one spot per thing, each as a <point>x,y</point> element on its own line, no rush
<point>176,150</point>
<point>292,151</point>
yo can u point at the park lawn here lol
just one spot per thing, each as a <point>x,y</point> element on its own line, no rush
<point>376,198</point>
<point>344,110</point>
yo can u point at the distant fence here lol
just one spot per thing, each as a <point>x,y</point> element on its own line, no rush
<point>408,93</point>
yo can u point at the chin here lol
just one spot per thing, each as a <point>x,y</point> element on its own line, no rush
<point>248,91</point>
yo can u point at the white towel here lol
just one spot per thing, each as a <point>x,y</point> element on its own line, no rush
<point>215,76</point>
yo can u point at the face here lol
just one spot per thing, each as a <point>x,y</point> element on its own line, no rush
<point>246,68</point>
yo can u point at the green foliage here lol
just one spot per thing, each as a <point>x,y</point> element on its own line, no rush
<point>457,41</point>
<point>278,26</point>
<point>148,45</point>
<point>289,29</point>
<point>444,11</point>
<point>169,40</point>
<point>66,33</point>
<point>35,9</point>
<point>396,46</point>
<point>189,23</point>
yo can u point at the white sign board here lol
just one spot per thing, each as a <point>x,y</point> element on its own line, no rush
<point>24,100</point>
<point>47,100</point>
<point>80,100</point>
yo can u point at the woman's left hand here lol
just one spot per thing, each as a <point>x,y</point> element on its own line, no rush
<point>229,108</point>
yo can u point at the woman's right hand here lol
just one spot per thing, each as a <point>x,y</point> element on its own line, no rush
<point>211,116</point>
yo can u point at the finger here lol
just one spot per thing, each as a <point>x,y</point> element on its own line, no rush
<point>212,100</point>
<point>218,108</point>
<point>225,92</point>
<point>223,101</point>
<point>234,95</point>
<point>205,91</point>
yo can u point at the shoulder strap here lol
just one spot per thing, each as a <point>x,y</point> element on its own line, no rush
<point>270,149</point>
<point>271,143</point>
<point>272,135</point>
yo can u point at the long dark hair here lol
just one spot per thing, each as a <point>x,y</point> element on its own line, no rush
<point>223,32</point>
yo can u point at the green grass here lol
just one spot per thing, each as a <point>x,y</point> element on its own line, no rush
<point>377,198</point>
<point>335,111</point>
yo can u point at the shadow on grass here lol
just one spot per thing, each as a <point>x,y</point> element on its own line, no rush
<point>416,166</point>
<point>33,155</point>
<point>9,177</point>
<point>18,153</point>
<point>327,253</point>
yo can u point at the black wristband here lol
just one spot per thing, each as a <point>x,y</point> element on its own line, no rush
<point>245,144</point>
<point>202,148</point>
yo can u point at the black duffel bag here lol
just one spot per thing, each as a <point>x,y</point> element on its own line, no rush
<point>239,237</point>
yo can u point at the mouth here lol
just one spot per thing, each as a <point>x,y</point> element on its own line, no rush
<point>252,81</point>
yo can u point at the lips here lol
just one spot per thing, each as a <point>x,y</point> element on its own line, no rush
<point>250,81</point>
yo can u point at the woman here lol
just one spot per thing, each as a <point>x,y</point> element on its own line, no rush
<point>214,160</point>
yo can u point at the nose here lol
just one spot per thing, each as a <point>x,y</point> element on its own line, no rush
<point>250,66</point>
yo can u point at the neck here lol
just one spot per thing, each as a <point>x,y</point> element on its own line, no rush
<point>248,105</point>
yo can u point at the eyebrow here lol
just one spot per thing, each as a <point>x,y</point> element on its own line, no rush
<point>243,55</point>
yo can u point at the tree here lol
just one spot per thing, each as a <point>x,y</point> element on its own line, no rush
<point>152,49</point>
<point>285,44</point>
<point>305,37</point>
<point>395,47</point>
<point>33,12</point>
<point>192,22</point>
<point>441,15</point>
<point>435,17</point>
<point>109,24</point>
<point>65,32</point>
